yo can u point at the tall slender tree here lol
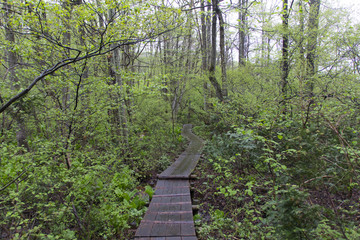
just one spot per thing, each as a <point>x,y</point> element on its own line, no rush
<point>212,77</point>
<point>313,26</point>
<point>204,44</point>
<point>12,64</point>
<point>242,31</point>
<point>115,63</point>
<point>285,50</point>
<point>223,61</point>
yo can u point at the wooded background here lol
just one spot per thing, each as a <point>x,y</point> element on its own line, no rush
<point>94,94</point>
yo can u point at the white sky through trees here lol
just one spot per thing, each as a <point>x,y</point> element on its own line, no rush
<point>351,7</point>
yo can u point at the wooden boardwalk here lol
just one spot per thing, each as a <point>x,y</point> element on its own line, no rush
<point>169,216</point>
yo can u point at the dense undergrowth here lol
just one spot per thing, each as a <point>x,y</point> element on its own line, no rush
<point>102,194</point>
<point>270,176</point>
<point>100,197</point>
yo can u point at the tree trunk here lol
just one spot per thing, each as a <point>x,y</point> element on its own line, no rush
<point>208,33</point>
<point>263,46</point>
<point>242,31</point>
<point>212,77</point>
<point>119,113</point>
<point>66,41</point>
<point>203,37</point>
<point>204,47</point>
<point>11,56</point>
<point>285,51</point>
<point>301,60</point>
<point>313,26</point>
<point>222,52</point>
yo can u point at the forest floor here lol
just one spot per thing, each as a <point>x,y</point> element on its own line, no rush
<point>205,194</point>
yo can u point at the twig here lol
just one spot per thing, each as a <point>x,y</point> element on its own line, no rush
<point>337,215</point>
<point>312,179</point>
<point>77,217</point>
<point>11,182</point>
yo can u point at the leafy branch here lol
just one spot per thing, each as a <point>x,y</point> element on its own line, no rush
<point>68,61</point>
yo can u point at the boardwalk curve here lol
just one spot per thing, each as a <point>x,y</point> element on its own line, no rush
<point>169,216</point>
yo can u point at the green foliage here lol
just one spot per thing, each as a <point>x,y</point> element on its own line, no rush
<point>149,191</point>
<point>218,226</point>
<point>290,214</point>
<point>327,230</point>
<point>87,201</point>
<point>264,167</point>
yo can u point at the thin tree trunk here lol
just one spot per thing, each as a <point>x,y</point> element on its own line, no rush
<point>301,62</point>
<point>263,47</point>
<point>66,41</point>
<point>11,55</point>
<point>222,52</point>
<point>208,33</point>
<point>285,51</point>
<point>212,77</point>
<point>313,27</point>
<point>125,101</point>
<point>242,30</point>
<point>21,133</point>
<point>204,47</point>
<point>119,114</point>
<point>203,37</point>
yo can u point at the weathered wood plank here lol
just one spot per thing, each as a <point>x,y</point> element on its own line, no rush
<point>144,229</point>
<point>189,238</point>
<point>187,229</point>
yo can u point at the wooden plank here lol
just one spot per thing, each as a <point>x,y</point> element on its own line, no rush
<point>189,238</point>
<point>173,229</point>
<point>171,203</point>
<point>187,216</point>
<point>171,212</point>
<point>169,229</point>
<point>144,229</point>
<point>172,177</point>
<point>153,238</point>
<point>171,195</point>
<point>167,222</point>
<point>168,238</point>
<point>166,207</point>
<point>177,187</point>
<point>150,216</point>
<point>188,229</point>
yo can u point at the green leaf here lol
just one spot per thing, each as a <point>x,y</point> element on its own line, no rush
<point>149,191</point>
<point>249,192</point>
